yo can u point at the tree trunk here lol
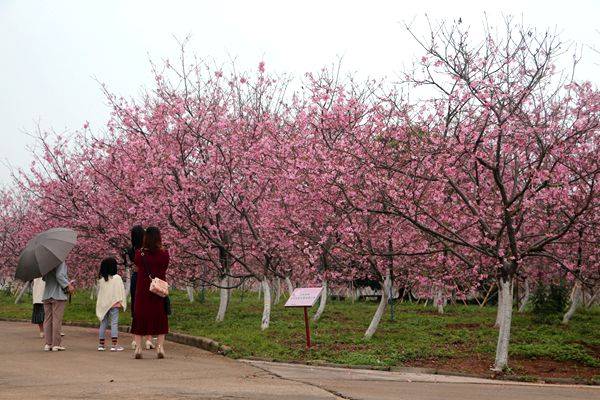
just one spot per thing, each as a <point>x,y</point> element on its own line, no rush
<point>499,308</point>
<point>505,312</point>
<point>356,295</point>
<point>277,283</point>
<point>266,317</point>
<point>385,286</point>
<point>202,294</point>
<point>190,293</point>
<point>575,301</point>
<point>223,300</point>
<point>591,298</point>
<point>440,300</point>
<point>526,295</point>
<point>391,301</point>
<point>487,296</point>
<point>127,282</point>
<point>322,303</point>
<point>94,292</point>
<point>22,292</point>
<point>290,287</point>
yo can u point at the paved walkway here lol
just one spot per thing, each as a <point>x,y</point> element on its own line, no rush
<point>367,385</point>
<point>189,373</point>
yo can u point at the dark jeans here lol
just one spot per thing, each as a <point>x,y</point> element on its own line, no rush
<point>132,290</point>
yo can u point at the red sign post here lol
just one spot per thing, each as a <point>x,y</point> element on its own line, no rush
<point>307,327</point>
<point>305,298</point>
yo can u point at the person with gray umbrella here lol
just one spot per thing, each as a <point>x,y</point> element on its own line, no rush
<point>45,256</point>
<point>55,301</point>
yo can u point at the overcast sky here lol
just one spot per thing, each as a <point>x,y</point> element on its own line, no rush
<point>52,52</point>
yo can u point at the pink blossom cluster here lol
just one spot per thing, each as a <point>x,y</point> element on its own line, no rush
<point>495,174</point>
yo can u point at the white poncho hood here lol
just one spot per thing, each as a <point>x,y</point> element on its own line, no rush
<point>109,293</point>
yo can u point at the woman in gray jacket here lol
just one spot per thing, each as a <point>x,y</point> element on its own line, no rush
<point>55,299</point>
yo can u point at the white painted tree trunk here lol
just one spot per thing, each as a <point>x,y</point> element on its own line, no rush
<point>525,298</point>
<point>385,289</point>
<point>22,292</point>
<point>499,308</point>
<point>440,300</point>
<point>94,292</point>
<point>223,299</point>
<point>290,287</point>
<point>505,307</point>
<point>591,298</point>
<point>277,283</point>
<point>322,303</point>
<point>259,290</point>
<point>266,317</point>
<point>190,293</point>
<point>127,282</point>
<point>575,301</point>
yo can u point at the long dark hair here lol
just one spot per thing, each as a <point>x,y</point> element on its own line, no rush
<point>108,267</point>
<point>152,239</point>
<point>137,239</point>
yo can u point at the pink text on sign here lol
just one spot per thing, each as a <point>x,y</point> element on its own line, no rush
<point>304,297</point>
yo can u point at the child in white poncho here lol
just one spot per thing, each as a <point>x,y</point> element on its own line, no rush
<point>111,297</point>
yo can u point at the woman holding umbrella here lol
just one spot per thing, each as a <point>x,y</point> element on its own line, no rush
<point>44,256</point>
<point>55,300</point>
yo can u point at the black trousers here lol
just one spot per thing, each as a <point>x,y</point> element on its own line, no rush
<point>132,291</point>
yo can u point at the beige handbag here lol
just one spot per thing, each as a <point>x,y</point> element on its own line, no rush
<point>157,285</point>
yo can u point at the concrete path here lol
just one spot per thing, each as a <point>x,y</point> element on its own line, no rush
<point>82,372</point>
<point>367,385</point>
<point>189,373</point>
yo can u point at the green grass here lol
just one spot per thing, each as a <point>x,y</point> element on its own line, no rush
<point>417,333</point>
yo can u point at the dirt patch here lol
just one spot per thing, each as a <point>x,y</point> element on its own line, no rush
<point>539,367</point>
<point>475,364</point>
<point>552,368</point>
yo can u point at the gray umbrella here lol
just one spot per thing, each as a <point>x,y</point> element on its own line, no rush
<point>45,252</point>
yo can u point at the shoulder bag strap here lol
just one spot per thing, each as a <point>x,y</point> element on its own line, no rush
<point>148,271</point>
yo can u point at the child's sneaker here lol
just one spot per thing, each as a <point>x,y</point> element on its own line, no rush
<point>149,345</point>
<point>133,345</point>
<point>47,347</point>
<point>101,348</point>
<point>116,348</point>
<point>58,348</point>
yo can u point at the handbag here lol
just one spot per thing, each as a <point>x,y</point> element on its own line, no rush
<point>159,288</point>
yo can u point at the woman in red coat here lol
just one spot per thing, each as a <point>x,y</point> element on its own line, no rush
<point>150,315</point>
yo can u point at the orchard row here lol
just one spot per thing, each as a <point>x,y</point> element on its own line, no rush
<point>487,171</point>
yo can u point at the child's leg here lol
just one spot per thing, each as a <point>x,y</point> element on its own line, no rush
<point>41,326</point>
<point>114,325</point>
<point>102,330</point>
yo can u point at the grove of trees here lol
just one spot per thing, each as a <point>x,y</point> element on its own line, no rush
<point>489,172</point>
